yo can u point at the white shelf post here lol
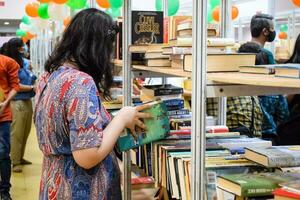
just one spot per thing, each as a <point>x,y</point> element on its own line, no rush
<point>127,91</point>
<point>198,99</point>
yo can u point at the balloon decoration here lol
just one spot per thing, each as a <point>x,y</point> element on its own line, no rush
<point>24,26</point>
<point>44,1</point>
<point>67,21</point>
<point>20,33</point>
<point>173,6</point>
<point>31,9</point>
<point>115,3</point>
<point>103,3</point>
<point>216,13</point>
<point>296,2</point>
<point>215,3</point>
<point>60,1</point>
<point>284,28</point>
<point>114,12</point>
<point>25,19</point>
<point>43,11</point>
<point>58,11</point>
<point>234,12</point>
<point>29,36</point>
<point>76,4</point>
<point>282,35</point>
<point>39,24</point>
<point>25,40</point>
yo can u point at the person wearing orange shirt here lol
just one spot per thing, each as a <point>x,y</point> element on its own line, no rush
<point>9,83</point>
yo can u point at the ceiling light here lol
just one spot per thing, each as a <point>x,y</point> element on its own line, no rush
<point>6,23</point>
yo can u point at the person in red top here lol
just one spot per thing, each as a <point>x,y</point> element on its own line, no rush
<point>9,83</point>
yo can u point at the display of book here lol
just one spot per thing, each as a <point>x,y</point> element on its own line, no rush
<point>288,70</point>
<point>258,69</point>
<point>157,128</point>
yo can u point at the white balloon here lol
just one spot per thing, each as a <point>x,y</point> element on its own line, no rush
<point>58,12</point>
<point>39,23</point>
<point>33,29</point>
<point>24,26</point>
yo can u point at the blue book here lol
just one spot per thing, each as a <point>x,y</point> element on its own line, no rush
<point>158,127</point>
<point>288,70</point>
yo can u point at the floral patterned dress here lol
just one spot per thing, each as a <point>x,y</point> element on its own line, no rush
<point>69,117</point>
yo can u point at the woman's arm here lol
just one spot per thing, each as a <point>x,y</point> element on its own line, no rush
<point>128,117</point>
<point>26,88</point>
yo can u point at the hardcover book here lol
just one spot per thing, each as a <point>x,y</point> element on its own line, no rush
<point>288,70</point>
<point>253,185</point>
<point>160,90</point>
<point>158,127</point>
<point>282,194</point>
<point>258,69</point>
<point>275,156</point>
<point>147,27</point>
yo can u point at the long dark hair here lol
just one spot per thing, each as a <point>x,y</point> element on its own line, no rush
<point>88,43</point>
<point>295,58</point>
<point>12,49</point>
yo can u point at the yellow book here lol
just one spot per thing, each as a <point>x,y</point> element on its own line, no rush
<point>2,95</point>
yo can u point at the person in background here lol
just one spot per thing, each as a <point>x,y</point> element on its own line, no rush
<point>274,107</point>
<point>9,84</point>
<point>75,132</point>
<point>21,104</point>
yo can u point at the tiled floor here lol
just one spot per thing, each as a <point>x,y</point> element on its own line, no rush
<point>25,185</point>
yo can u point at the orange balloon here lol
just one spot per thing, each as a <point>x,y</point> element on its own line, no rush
<point>216,13</point>
<point>234,12</point>
<point>67,21</point>
<point>30,36</point>
<point>31,9</point>
<point>44,1</point>
<point>25,39</point>
<point>103,3</point>
<point>296,2</point>
<point>60,1</point>
<point>282,35</point>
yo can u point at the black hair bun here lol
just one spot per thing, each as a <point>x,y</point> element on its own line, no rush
<point>113,30</point>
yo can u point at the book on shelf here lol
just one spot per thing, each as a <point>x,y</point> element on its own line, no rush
<point>253,184</point>
<point>258,69</point>
<point>142,182</point>
<point>217,129</point>
<point>169,50</point>
<point>173,23</point>
<point>147,27</point>
<point>223,135</point>
<point>156,55</point>
<point>161,90</point>
<point>119,41</point>
<point>275,156</point>
<point>288,70</point>
<point>157,128</point>
<point>158,63</point>
<point>143,48</point>
<point>220,42</point>
<point>228,62</point>
<point>283,194</point>
<point>185,33</point>
<point>292,186</point>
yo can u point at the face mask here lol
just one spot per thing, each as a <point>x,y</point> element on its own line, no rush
<point>271,36</point>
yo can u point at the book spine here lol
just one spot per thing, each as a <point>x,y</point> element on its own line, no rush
<point>166,30</point>
<point>161,92</point>
<point>174,102</point>
<point>179,112</point>
<point>286,160</point>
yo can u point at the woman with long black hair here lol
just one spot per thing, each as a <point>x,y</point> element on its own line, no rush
<point>21,104</point>
<point>75,133</point>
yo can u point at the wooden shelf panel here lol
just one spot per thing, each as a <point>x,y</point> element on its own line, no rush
<point>118,63</point>
<point>163,70</point>
<point>254,79</point>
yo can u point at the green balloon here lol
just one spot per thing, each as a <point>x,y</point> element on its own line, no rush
<point>115,3</point>
<point>76,4</point>
<point>284,28</point>
<point>87,5</point>
<point>25,19</point>
<point>114,12</point>
<point>43,11</point>
<point>214,3</point>
<point>20,33</point>
<point>173,6</point>
<point>209,14</point>
<point>158,5</point>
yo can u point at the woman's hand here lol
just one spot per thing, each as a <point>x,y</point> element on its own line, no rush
<point>133,117</point>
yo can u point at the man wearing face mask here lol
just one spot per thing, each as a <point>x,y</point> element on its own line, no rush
<point>274,108</point>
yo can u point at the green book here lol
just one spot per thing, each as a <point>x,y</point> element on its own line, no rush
<point>158,127</point>
<point>254,185</point>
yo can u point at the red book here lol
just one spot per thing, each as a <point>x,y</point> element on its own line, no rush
<point>217,129</point>
<point>142,180</point>
<point>166,30</point>
<point>284,193</point>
